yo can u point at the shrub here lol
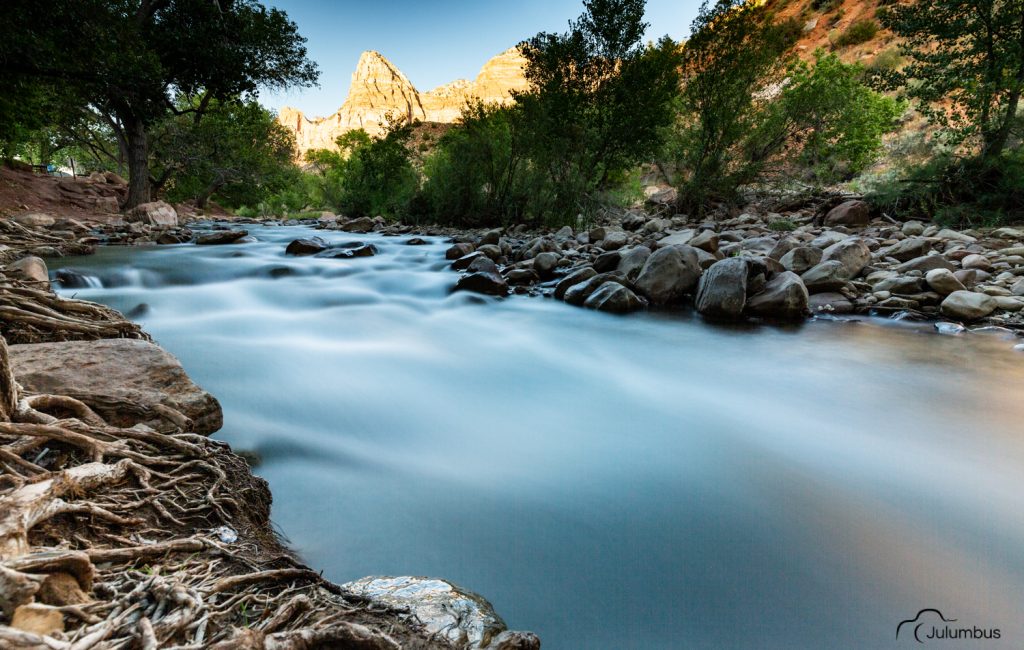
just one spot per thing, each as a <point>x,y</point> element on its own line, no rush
<point>782,225</point>
<point>858,32</point>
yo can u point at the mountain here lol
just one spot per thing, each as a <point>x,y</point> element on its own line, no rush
<point>380,89</point>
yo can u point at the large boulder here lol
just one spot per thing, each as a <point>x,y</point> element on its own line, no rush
<point>35,220</point>
<point>579,293</point>
<point>453,616</point>
<point>669,274</point>
<point>850,213</point>
<point>801,259</point>
<point>784,297</point>
<point>31,269</point>
<point>306,246</point>
<point>943,281</point>
<point>490,283</point>
<point>968,305</point>
<point>826,277</point>
<point>121,379</point>
<point>632,261</point>
<point>908,249</point>
<point>722,292</point>
<point>615,298</point>
<point>852,252</point>
<point>154,213</point>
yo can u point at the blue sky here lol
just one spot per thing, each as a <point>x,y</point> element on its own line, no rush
<point>432,42</point>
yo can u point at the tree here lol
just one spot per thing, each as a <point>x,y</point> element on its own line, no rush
<point>130,60</point>
<point>734,56</point>
<point>598,99</point>
<point>966,66</point>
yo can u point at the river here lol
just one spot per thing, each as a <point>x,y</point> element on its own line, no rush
<point>649,481</point>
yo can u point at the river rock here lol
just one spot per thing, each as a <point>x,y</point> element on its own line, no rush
<point>521,276</point>
<point>830,303</point>
<point>924,264</point>
<point>359,225</point>
<point>571,280</point>
<point>482,264</point>
<point>348,252</point>
<point>722,291</point>
<point>220,237</point>
<point>308,246</point>
<point>154,213</point>
<point>578,293</point>
<point>826,277</point>
<point>968,305</point>
<point>669,274</point>
<point>632,261</point>
<point>459,250</point>
<point>455,616</point>
<point>850,213</point>
<point>491,237</point>
<point>853,253</point>
<point>483,282</point>
<point>34,220</point>
<point>614,297</point>
<point>784,297</point>
<point>975,261</point>
<point>913,229</point>
<point>908,249</point>
<point>800,259</point>
<point>546,263</point>
<point>943,281</point>
<point>110,373</point>
<point>613,240</point>
<point>706,240</point>
<point>1018,288</point>
<point>466,260</point>
<point>31,269</point>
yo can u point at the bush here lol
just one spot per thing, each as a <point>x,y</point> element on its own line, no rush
<point>887,60</point>
<point>782,225</point>
<point>860,31</point>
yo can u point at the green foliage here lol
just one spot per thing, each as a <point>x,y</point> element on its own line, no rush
<point>367,176</point>
<point>237,151</point>
<point>966,67</point>
<point>860,31</point>
<point>887,60</point>
<point>782,225</point>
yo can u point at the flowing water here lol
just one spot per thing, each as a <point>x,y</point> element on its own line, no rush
<point>648,481</point>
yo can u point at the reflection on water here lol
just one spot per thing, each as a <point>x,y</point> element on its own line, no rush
<point>608,482</point>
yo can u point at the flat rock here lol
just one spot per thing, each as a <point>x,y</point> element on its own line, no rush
<point>925,263</point>
<point>112,373</point>
<point>968,305</point>
<point>221,237</point>
<point>830,303</point>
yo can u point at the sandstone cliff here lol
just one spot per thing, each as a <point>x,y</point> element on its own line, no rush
<point>379,90</point>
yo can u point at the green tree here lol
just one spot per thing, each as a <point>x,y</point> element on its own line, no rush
<point>966,67</point>
<point>129,60</point>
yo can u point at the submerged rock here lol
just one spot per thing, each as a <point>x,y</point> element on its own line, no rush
<point>615,298</point>
<point>483,282</point>
<point>459,617</point>
<point>220,237</point>
<point>121,379</point>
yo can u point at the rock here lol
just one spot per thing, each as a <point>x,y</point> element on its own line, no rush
<point>668,274</point>
<point>666,196</point>
<point>607,261</point>
<point>705,240</point>
<point>155,213</point>
<point>830,303</point>
<point>38,619</point>
<point>1009,303</point>
<point>31,269</point>
<point>459,250</point>
<point>75,279</point>
<point>924,264</point>
<point>722,291</point>
<point>571,280</point>
<point>656,225</point>
<point>782,247</point>
<point>913,229</point>
<point>784,297</point>
<point>482,264</point>
<point>613,240</point>
<point>491,237</point>
<point>578,294</point>
<point>537,246</point>
<point>800,259</point>
<point>487,283</point>
<point>360,225</point>
<point>564,234</point>
<point>492,251</point>
<point>615,298</point>
<point>109,373</point>
<point>521,276</point>
<point>633,222</point>
<point>545,264</point>
<point>677,238</point>
<point>975,261</point>
<point>416,241</point>
<point>1018,288</point>
<point>900,284</point>
<point>35,220</point>
<point>946,233</point>
<point>943,281</point>
<point>308,246</point>
<point>632,261</point>
<point>361,250</point>
<point>853,253</point>
<point>168,238</point>
<point>466,260</point>
<point>971,277</point>
<point>220,237</point>
<point>761,245</point>
<point>968,305</point>
<point>826,277</point>
<point>454,616</point>
<point>850,213</point>
<point>950,329</point>
<point>908,249</point>
<point>827,238</point>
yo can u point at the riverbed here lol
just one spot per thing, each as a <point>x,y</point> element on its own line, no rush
<point>649,481</point>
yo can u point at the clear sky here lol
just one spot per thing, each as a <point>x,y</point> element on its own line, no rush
<point>432,41</point>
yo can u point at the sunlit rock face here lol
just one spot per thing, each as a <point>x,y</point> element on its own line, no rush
<point>380,90</point>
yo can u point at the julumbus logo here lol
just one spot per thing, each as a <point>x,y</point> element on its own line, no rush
<point>931,625</point>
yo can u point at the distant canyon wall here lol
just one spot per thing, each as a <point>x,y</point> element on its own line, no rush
<point>380,89</point>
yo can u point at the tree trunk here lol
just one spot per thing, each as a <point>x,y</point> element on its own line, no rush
<point>138,163</point>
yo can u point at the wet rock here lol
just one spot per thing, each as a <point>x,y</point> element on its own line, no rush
<point>669,274</point>
<point>545,264</point>
<point>309,246</point>
<point>826,277</point>
<point>455,616</point>
<point>31,269</point>
<point>968,305</point>
<point>108,374</point>
<point>416,241</point>
<point>463,262</point>
<point>362,250</point>
<point>221,237</point>
<point>75,279</point>
<point>491,237</point>
<point>537,246</point>
<point>850,213</point>
<point>155,213</point>
<point>943,281</point>
<point>607,261</point>
<point>784,297</point>
<point>615,298</point>
<point>830,303</point>
<point>578,294</point>
<point>522,276</point>
<point>170,238</point>
<point>489,283</point>
<point>459,250</point>
<point>853,253</point>
<point>492,251</point>
<point>571,280</point>
<point>800,259</point>
<point>482,264</point>
<point>360,225</point>
<point>632,261</point>
<point>722,290</point>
